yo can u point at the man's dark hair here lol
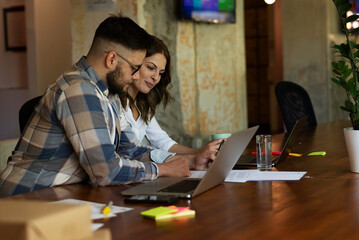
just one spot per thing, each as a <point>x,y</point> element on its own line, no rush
<point>124,31</point>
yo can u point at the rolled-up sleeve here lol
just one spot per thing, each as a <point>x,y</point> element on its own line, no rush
<point>130,146</point>
<point>157,137</point>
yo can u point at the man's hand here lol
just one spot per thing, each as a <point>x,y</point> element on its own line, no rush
<point>200,161</point>
<point>179,165</point>
<point>175,166</point>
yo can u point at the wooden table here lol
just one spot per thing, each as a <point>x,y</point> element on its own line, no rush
<point>324,204</point>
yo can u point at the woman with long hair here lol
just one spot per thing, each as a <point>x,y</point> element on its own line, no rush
<point>146,94</point>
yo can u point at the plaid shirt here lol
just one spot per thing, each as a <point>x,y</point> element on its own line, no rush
<point>74,136</point>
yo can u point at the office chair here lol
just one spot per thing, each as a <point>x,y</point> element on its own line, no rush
<point>26,111</point>
<point>294,103</point>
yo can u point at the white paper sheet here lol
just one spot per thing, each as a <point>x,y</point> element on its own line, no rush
<point>96,226</point>
<point>96,208</point>
<point>239,175</point>
<point>256,175</point>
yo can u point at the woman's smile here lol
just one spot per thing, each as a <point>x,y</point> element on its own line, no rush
<point>149,85</point>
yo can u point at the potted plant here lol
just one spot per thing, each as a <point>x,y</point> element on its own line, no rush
<point>346,75</point>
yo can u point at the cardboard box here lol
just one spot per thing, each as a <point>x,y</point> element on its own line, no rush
<point>101,234</point>
<point>42,220</point>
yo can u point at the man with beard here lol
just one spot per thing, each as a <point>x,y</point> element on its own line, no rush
<point>74,134</point>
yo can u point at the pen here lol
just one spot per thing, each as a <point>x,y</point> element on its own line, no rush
<point>107,208</point>
<point>220,145</point>
<point>278,153</point>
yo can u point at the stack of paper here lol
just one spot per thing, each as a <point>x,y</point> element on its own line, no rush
<point>169,212</point>
<point>256,175</point>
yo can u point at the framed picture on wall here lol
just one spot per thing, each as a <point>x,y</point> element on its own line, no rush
<point>14,28</point>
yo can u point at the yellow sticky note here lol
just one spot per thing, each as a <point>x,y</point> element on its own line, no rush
<point>158,211</point>
<point>184,213</point>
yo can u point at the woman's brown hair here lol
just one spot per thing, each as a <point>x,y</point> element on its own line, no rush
<point>147,103</point>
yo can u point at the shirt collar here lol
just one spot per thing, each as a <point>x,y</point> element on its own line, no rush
<point>83,64</point>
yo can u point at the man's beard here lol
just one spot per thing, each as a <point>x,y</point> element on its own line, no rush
<point>115,81</point>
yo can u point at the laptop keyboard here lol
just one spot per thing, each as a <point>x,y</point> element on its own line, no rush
<point>183,186</point>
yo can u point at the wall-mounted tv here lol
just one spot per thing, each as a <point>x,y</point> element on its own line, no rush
<point>211,11</point>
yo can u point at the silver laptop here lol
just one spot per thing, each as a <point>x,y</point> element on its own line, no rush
<point>191,187</point>
<point>248,160</point>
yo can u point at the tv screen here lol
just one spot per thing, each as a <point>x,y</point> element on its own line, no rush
<point>212,11</point>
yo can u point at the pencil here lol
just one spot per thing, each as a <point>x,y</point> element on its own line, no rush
<point>107,208</point>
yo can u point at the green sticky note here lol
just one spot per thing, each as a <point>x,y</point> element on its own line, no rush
<point>320,153</point>
<point>158,211</point>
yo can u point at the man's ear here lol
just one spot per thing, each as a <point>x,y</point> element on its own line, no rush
<point>111,60</point>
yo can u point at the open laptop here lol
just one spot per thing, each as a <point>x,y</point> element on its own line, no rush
<point>191,187</point>
<point>248,160</point>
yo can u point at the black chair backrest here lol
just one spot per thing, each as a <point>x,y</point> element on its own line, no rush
<point>294,103</point>
<point>26,111</point>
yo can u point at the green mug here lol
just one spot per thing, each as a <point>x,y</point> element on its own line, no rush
<point>220,135</point>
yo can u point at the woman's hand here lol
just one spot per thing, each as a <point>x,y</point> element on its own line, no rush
<point>211,148</point>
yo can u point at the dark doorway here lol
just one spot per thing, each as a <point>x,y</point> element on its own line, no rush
<point>262,63</point>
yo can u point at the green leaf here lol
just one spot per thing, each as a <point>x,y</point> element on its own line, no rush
<point>340,47</point>
<point>341,64</point>
<point>336,82</point>
<point>335,65</point>
<point>356,54</point>
<point>352,90</point>
<point>351,82</point>
<point>349,105</point>
<point>343,49</point>
<point>337,72</point>
<point>355,30</point>
<point>344,8</point>
<point>340,2</point>
<point>356,116</point>
<point>344,109</point>
<point>352,44</point>
<point>351,18</point>
<point>347,73</point>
